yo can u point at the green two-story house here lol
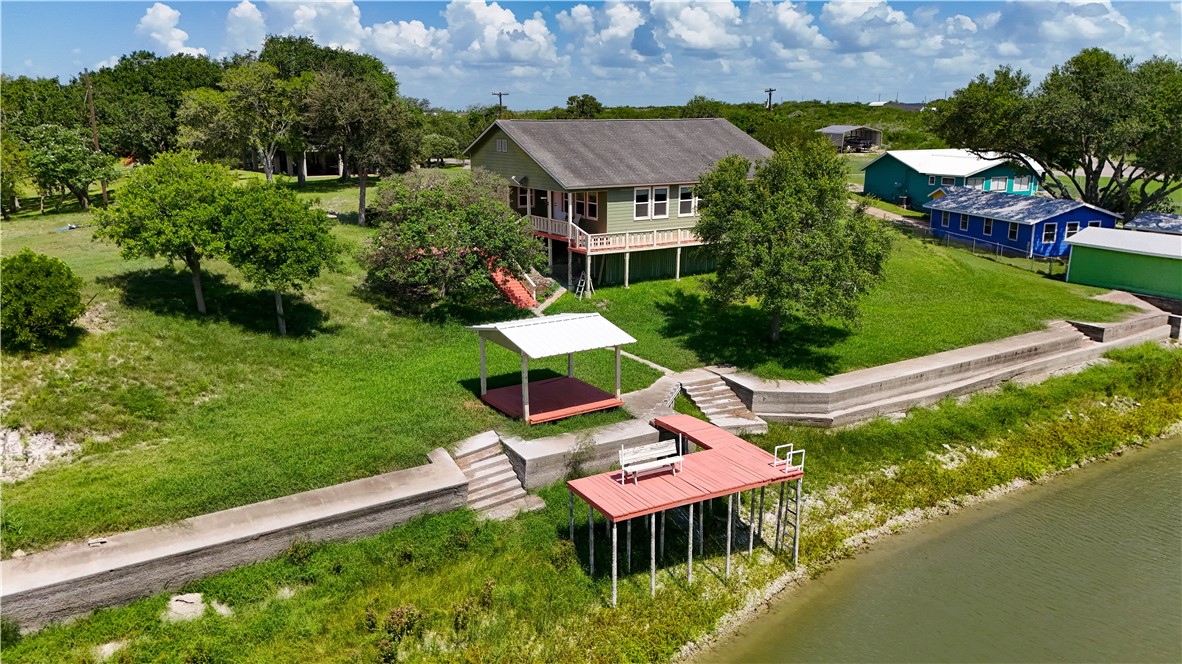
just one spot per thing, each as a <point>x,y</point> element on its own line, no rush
<point>612,198</point>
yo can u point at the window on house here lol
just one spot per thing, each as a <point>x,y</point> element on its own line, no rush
<point>1093,223</point>
<point>592,205</point>
<point>1013,233</point>
<point>580,205</point>
<point>1072,228</point>
<point>1049,231</point>
<point>502,145</point>
<point>641,199</point>
<point>522,198</point>
<point>964,222</point>
<point>561,206</point>
<point>947,182</point>
<point>1022,183</point>
<point>988,227</point>
<point>660,202</point>
<point>975,183</point>
<point>997,184</point>
<point>932,180</point>
<point>687,203</point>
<point>540,198</point>
<point>944,219</point>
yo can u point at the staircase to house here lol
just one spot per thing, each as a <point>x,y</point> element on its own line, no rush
<point>513,289</point>
<point>494,489</point>
<point>719,404</point>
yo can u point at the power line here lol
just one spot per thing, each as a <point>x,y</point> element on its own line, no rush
<point>769,92</point>
<point>500,98</point>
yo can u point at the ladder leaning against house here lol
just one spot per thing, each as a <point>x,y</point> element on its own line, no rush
<point>584,287</point>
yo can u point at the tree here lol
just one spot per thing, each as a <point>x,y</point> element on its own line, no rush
<point>583,106</point>
<point>1100,129</point>
<point>278,241</point>
<point>438,148</point>
<point>170,209</point>
<point>443,236</point>
<point>14,169</point>
<point>262,108</point>
<point>788,237</point>
<point>702,107</point>
<point>207,126</point>
<point>42,298</point>
<point>61,158</point>
<point>367,121</point>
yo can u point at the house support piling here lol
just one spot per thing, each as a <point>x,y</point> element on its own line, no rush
<point>677,266</point>
<point>627,267</point>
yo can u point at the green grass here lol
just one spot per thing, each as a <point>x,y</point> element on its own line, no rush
<point>918,215</point>
<point>180,414</point>
<point>519,590</point>
<point>934,299</point>
<point>856,161</point>
<point>1175,197</point>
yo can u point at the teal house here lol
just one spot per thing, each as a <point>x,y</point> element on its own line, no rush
<point>909,177</point>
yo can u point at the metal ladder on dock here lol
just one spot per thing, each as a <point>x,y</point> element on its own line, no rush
<point>789,508</point>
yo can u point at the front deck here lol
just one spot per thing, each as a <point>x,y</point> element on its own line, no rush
<point>551,399</point>
<point>582,242</point>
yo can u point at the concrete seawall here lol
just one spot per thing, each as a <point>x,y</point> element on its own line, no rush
<point>543,461</point>
<point>76,578</point>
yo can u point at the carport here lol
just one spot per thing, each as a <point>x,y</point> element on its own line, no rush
<point>839,134</point>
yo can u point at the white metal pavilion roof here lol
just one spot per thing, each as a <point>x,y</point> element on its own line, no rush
<point>554,335</point>
<point>1129,242</point>
<point>948,162</point>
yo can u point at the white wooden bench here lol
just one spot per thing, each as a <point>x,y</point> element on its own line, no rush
<point>649,458</point>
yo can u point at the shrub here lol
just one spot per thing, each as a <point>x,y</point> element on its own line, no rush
<point>10,632</point>
<point>42,298</point>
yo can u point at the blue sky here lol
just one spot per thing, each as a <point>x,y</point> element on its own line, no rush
<point>666,51</point>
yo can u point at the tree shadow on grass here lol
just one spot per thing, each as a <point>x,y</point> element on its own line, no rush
<point>168,291</point>
<point>739,335</point>
<point>482,306</point>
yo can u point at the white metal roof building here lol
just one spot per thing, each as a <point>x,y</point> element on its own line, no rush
<point>839,133</point>
<point>1148,263</point>
<point>548,336</point>
<point>946,162</point>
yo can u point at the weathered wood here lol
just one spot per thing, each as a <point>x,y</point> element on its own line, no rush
<point>483,368</point>
<point>652,554</point>
<point>690,533</point>
<point>524,387</point>
<point>730,502</point>
<point>617,372</point>
<point>614,549</point>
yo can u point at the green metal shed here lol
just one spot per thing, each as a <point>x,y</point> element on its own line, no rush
<point>1135,261</point>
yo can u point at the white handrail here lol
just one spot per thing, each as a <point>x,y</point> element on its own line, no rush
<point>787,460</point>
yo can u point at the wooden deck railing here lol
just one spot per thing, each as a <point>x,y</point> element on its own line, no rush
<point>582,241</point>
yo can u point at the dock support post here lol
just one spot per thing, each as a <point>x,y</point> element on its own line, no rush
<point>572,516</point>
<point>628,547</point>
<point>701,526</point>
<point>779,518</point>
<point>524,388</point>
<point>730,502</point>
<point>796,529</point>
<point>690,531</point>
<point>591,538</point>
<point>759,531</point>
<point>652,554</point>
<point>751,526</point>
<point>617,372</point>
<point>627,267</point>
<point>614,548</point>
<point>677,266</point>
<point>661,548</point>
<point>483,369</point>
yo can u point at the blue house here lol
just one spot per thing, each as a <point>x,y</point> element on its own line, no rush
<point>908,177</point>
<point>1156,222</point>
<point>1028,225</point>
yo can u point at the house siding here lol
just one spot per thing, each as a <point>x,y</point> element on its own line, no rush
<point>651,264</point>
<point>620,212</point>
<point>888,179</point>
<point>1151,275</point>
<point>1030,236</point>
<point>514,163</point>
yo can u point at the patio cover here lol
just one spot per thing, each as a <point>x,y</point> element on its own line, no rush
<point>548,336</point>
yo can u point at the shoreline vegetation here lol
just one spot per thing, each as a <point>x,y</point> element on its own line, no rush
<point>452,588</point>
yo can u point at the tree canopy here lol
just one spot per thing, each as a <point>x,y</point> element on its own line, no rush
<point>1101,129</point>
<point>63,158</point>
<point>788,237</point>
<point>583,106</point>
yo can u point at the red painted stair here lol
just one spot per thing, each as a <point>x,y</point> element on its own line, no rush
<point>513,289</point>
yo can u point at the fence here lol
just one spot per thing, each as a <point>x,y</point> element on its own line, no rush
<point>1020,257</point>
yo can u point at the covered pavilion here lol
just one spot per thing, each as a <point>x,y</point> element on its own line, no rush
<point>548,336</point>
<point>726,467</point>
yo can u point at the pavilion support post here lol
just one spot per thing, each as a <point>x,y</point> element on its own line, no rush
<point>483,369</point>
<point>677,266</point>
<point>617,372</point>
<point>628,548</point>
<point>796,529</point>
<point>652,554</point>
<point>614,549</point>
<point>627,267</point>
<point>690,531</point>
<point>591,539</point>
<point>570,365</point>
<point>730,502</point>
<point>751,526</point>
<point>525,388</point>
<point>572,516</point>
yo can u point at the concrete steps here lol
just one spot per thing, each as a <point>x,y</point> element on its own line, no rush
<point>494,489</point>
<point>720,404</point>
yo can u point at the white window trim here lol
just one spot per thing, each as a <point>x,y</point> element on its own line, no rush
<point>1095,223</point>
<point>987,227</point>
<point>1004,183</point>
<point>964,222</point>
<point>1069,231</point>
<point>653,198</point>
<point>947,184</point>
<point>587,206</point>
<point>931,180</point>
<point>1022,183</point>
<point>693,201</point>
<point>1053,228</point>
<point>648,205</point>
<point>944,218</point>
<point>502,145</point>
<point>975,183</point>
<point>1012,232</point>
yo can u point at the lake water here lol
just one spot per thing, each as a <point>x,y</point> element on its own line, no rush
<point>1086,568</point>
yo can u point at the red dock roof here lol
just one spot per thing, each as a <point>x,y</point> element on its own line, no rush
<point>727,465</point>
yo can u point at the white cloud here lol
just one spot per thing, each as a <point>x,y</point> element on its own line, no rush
<point>245,28</point>
<point>488,34</point>
<point>856,25</point>
<point>109,62</point>
<point>960,24</point>
<point>1008,50</point>
<point>159,24</point>
<point>409,42</point>
<point>700,25</point>
<point>334,23</point>
<point>604,37</point>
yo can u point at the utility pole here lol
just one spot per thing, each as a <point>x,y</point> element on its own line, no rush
<point>769,92</point>
<point>93,123</point>
<point>500,99</point>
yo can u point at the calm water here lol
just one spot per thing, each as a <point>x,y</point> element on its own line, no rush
<point>1087,568</point>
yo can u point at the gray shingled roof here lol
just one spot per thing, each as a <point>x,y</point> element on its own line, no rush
<point>1005,207</point>
<point>1160,222</point>
<point>582,154</point>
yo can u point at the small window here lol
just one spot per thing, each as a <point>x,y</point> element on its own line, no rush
<point>947,182</point>
<point>580,205</point>
<point>1013,234</point>
<point>964,222</point>
<point>932,180</point>
<point>592,206</point>
<point>1093,223</point>
<point>1072,228</point>
<point>975,183</point>
<point>641,198</point>
<point>1049,230</point>
<point>1022,183</point>
<point>522,197</point>
<point>687,204</point>
<point>988,227</point>
<point>944,219</point>
<point>997,184</point>
<point>660,202</point>
<point>502,145</point>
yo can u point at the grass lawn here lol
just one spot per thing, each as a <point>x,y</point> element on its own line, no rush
<point>180,414</point>
<point>856,161</point>
<point>871,201</point>
<point>519,591</point>
<point>934,299</point>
